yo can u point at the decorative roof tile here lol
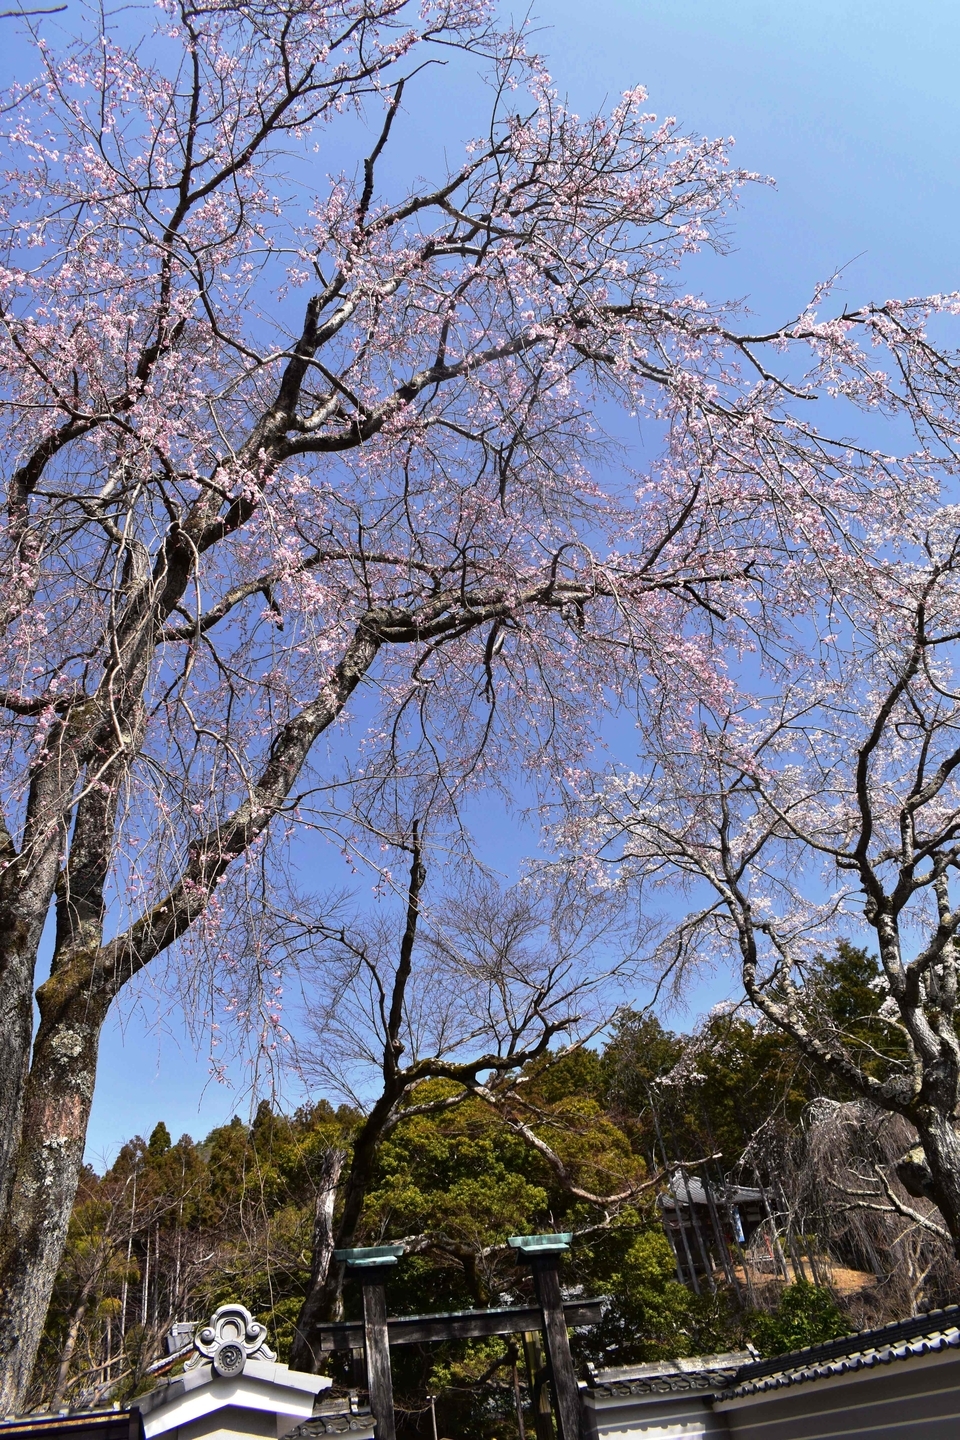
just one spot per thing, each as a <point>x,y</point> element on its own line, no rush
<point>701,1374</point>
<point>340,1416</point>
<point>337,1422</point>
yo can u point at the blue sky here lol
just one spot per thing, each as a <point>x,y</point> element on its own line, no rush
<point>853,107</point>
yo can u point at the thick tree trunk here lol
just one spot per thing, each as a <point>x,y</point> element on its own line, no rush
<point>26,890</point>
<point>57,1107</point>
<point>17,965</point>
<point>941,1146</point>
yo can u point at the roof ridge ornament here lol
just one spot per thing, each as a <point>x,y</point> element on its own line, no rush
<point>231,1338</point>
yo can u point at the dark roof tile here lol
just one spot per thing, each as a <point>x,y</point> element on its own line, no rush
<point>700,1374</point>
<point>734,1375</point>
<point>901,1340</point>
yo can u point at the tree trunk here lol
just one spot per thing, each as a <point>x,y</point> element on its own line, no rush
<point>63,1371</point>
<point>26,890</point>
<point>16,1033</point>
<point>302,1356</point>
<point>85,978</point>
<point>324,1300</point>
<point>56,1111</point>
<point>941,1146</point>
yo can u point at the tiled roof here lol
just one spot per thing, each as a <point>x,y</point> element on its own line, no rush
<point>732,1376</point>
<point>688,1190</point>
<point>902,1340</point>
<point>702,1373</point>
<point>338,1416</point>
<point>341,1422</point>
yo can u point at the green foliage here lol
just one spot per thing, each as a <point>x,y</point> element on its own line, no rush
<point>159,1142</point>
<point>845,984</point>
<point>651,1302</point>
<point>652,1315</point>
<point>232,1216</point>
<point>715,1089</point>
<point>581,1073</point>
<point>844,988</point>
<point>640,1052</point>
<point>474,1386</point>
<point>711,1091</point>
<point>806,1315</point>
<point>461,1173</point>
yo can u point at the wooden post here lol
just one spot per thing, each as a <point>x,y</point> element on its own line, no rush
<point>517,1401</point>
<point>539,1391</point>
<point>563,1381</point>
<point>543,1253</point>
<point>371,1266</point>
<point>377,1347</point>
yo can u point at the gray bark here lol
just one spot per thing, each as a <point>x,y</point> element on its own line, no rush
<point>58,1098</point>
<point>941,1146</point>
<point>324,1241</point>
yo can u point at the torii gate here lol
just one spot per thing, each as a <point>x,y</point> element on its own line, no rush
<point>551,1315</point>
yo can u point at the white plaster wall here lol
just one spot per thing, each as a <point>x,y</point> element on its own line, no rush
<point>267,1400</point>
<point>662,1417</point>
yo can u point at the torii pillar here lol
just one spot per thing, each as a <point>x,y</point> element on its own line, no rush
<point>542,1253</point>
<point>371,1265</point>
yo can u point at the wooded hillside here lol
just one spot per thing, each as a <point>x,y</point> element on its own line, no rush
<point>589,1141</point>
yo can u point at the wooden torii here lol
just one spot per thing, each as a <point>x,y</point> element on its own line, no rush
<point>551,1315</point>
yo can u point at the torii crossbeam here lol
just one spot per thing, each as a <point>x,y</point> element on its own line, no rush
<point>551,1314</point>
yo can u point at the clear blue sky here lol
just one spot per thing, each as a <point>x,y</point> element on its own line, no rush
<point>854,107</point>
